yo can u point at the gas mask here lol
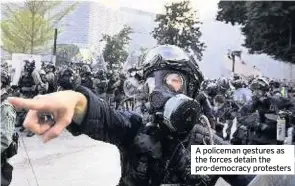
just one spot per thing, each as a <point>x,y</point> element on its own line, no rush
<point>168,102</point>
<point>219,102</point>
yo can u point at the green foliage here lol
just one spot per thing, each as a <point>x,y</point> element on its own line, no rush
<point>27,27</point>
<point>115,52</point>
<point>269,27</point>
<point>179,26</point>
<point>65,53</point>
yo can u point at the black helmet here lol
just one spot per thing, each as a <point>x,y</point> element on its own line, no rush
<point>236,76</point>
<point>30,65</point>
<point>239,83</point>
<point>223,83</point>
<point>51,66</point>
<point>86,69</point>
<point>98,73</point>
<point>68,79</point>
<point>5,77</point>
<point>169,57</point>
<point>212,89</point>
<point>259,84</point>
<point>275,84</point>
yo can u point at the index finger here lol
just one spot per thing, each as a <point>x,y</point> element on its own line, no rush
<point>31,104</point>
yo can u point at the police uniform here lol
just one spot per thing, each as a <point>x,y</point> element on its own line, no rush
<point>8,147</point>
<point>157,152</point>
<point>8,119</point>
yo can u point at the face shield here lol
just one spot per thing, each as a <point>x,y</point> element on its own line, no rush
<point>166,92</point>
<point>173,83</point>
<point>219,102</point>
<point>132,64</point>
<point>242,96</point>
<point>167,53</point>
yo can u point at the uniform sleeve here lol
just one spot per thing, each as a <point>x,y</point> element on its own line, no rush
<point>206,106</point>
<point>105,124</point>
<point>36,77</point>
<point>8,119</point>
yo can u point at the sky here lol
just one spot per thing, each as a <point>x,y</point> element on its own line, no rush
<point>205,8</point>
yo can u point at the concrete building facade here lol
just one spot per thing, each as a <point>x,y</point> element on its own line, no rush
<point>85,26</point>
<point>90,20</point>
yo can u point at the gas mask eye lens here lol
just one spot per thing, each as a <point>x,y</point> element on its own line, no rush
<point>174,82</point>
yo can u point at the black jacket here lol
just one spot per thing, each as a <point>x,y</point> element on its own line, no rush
<point>140,154</point>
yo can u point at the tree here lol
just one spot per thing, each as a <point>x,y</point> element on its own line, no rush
<point>65,53</point>
<point>268,27</point>
<point>180,26</point>
<point>115,52</point>
<point>28,27</point>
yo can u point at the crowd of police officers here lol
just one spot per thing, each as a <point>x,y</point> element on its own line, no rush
<point>109,85</point>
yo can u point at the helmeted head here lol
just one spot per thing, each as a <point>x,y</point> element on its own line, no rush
<point>223,84</point>
<point>30,65</point>
<point>236,76</point>
<point>211,89</point>
<point>219,101</point>
<point>5,82</point>
<point>86,69</point>
<point>100,74</point>
<point>50,68</point>
<point>259,86</point>
<point>68,79</point>
<point>5,78</point>
<point>173,69</point>
<point>172,80</point>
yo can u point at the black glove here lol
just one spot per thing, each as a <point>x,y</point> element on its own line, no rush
<point>202,136</point>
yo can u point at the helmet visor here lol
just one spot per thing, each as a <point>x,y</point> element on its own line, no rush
<point>167,53</point>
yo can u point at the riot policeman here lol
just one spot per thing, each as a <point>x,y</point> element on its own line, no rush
<point>153,153</point>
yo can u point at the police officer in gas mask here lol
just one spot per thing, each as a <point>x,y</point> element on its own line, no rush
<point>153,153</point>
<point>67,79</point>
<point>9,139</point>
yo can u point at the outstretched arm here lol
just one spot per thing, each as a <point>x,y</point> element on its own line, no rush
<point>82,112</point>
<point>100,122</point>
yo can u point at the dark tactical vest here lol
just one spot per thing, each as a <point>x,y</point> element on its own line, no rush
<point>26,83</point>
<point>149,162</point>
<point>86,81</point>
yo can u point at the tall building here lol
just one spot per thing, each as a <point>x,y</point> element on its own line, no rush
<point>142,24</point>
<point>90,20</point>
<point>86,25</point>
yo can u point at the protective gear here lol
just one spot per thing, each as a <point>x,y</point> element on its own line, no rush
<point>5,78</point>
<point>212,90</point>
<point>236,77</point>
<point>169,57</point>
<point>100,82</point>
<point>30,65</point>
<point>9,141</point>
<point>68,79</point>
<point>172,75</point>
<point>239,83</point>
<point>86,69</point>
<point>51,67</point>
<point>259,84</point>
<point>148,156</point>
<point>274,84</point>
<point>219,102</point>
<point>132,63</point>
<point>223,84</point>
<point>27,85</point>
<point>87,80</point>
